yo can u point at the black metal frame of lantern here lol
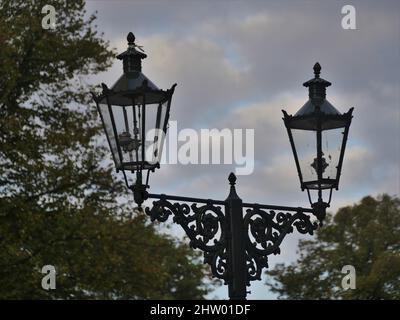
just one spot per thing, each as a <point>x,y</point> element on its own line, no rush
<point>235,245</point>
<point>123,110</point>
<point>318,118</point>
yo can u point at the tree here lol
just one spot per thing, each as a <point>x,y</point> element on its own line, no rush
<point>366,236</point>
<point>59,202</point>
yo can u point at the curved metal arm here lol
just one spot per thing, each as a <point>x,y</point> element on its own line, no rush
<point>204,224</point>
<point>266,231</point>
<point>236,246</point>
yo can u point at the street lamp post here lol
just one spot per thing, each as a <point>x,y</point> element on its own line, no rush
<point>235,237</point>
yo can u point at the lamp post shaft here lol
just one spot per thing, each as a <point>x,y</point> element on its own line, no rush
<point>236,246</point>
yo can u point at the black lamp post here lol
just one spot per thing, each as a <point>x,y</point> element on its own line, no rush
<point>235,244</point>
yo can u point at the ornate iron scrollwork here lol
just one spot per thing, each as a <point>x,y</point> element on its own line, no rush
<point>207,228</point>
<point>204,225</point>
<point>266,231</point>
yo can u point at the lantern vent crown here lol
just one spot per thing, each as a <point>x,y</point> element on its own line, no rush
<point>132,58</point>
<point>317,101</point>
<point>317,86</point>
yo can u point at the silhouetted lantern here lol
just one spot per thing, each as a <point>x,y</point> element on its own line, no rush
<point>134,113</point>
<point>318,134</point>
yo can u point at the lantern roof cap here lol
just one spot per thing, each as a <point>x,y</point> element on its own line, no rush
<point>310,107</point>
<point>133,81</point>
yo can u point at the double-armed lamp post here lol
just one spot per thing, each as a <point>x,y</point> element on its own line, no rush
<point>236,237</point>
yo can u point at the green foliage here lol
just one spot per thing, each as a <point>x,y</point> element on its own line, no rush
<point>365,235</point>
<point>57,196</point>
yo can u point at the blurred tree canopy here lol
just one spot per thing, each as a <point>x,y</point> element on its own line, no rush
<point>366,236</point>
<point>57,195</point>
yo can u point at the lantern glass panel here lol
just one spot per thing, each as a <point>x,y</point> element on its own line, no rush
<point>305,142</point>
<point>139,133</point>
<point>129,134</point>
<point>106,117</point>
<point>155,134</point>
<point>331,148</point>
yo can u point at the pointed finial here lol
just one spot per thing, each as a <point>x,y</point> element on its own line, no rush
<point>105,88</point>
<point>317,69</point>
<point>130,38</point>
<point>232,179</point>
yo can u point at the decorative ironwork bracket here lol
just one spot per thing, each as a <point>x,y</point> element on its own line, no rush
<point>266,230</point>
<point>235,245</point>
<point>204,224</point>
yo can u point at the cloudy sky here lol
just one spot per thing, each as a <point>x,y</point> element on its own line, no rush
<point>238,63</point>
